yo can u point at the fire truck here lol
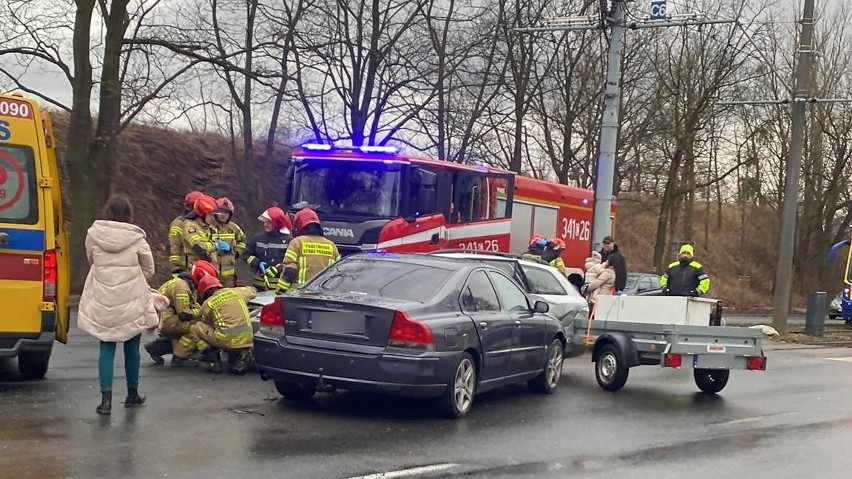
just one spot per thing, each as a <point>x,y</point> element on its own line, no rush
<point>374,198</point>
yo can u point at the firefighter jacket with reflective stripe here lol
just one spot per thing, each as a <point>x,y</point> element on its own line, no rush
<point>559,264</point>
<point>199,242</point>
<point>269,248</point>
<point>176,252</point>
<point>182,299</point>
<point>227,312</point>
<point>685,278</point>
<point>232,234</point>
<point>306,256</point>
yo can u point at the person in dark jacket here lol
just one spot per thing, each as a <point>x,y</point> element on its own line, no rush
<point>265,252</point>
<point>611,255</point>
<point>685,277</point>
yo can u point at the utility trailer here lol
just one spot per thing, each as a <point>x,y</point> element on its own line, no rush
<point>666,331</point>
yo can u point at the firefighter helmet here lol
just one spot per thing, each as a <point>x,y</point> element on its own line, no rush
<point>278,218</point>
<point>189,199</point>
<point>224,204</point>
<point>202,268</point>
<point>538,240</point>
<point>207,283</point>
<point>204,205</point>
<point>558,243</point>
<point>305,217</point>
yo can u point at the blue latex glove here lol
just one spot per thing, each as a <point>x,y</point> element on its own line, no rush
<point>541,243</point>
<point>223,246</point>
<point>619,293</point>
<point>262,267</point>
<point>583,289</point>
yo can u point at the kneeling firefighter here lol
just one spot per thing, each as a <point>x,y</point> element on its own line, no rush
<point>225,325</point>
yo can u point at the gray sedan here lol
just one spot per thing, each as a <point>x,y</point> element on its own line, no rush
<point>412,325</point>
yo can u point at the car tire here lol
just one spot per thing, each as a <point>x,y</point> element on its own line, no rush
<point>610,369</point>
<point>711,381</point>
<point>832,316</point>
<point>548,380</point>
<point>458,398</point>
<point>295,391</point>
<point>33,365</point>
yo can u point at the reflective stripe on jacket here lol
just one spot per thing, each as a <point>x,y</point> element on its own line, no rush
<point>308,255</point>
<point>682,278</point>
<point>227,311</point>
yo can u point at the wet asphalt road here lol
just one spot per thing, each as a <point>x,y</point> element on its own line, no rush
<point>790,421</point>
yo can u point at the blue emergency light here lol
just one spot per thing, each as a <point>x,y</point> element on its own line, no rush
<point>316,147</point>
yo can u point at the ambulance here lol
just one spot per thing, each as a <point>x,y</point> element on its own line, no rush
<point>34,260</point>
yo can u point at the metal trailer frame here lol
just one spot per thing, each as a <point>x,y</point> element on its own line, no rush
<point>710,351</point>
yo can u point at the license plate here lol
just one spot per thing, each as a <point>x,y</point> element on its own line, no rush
<point>336,322</point>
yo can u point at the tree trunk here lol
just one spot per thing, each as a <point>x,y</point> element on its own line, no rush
<point>666,207</point>
<point>84,193</point>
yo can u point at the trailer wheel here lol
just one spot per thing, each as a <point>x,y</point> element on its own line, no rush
<point>610,368</point>
<point>711,381</point>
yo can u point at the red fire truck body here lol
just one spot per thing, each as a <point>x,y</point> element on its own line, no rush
<point>372,198</point>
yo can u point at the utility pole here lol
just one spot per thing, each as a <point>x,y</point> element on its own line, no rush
<point>784,270</point>
<point>613,18</point>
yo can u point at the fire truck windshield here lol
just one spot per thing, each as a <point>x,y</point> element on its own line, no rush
<point>370,189</point>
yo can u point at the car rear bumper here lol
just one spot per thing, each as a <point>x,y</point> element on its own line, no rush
<point>13,343</point>
<point>425,375</point>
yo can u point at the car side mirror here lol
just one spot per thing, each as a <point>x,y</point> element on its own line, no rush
<point>541,307</point>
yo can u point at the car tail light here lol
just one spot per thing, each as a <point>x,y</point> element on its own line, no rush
<point>673,360</point>
<point>406,332</point>
<point>50,273</point>
<point>272,316</point>
<point>756,363</point>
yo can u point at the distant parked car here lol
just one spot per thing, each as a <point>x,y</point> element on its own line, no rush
<point>412,325</point>
<point>643,284</point>
<point>835,309</point>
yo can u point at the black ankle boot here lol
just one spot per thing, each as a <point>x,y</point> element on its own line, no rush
<point>106,403</point>
<point>134,398</point>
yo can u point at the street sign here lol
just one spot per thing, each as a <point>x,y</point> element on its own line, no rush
<point>658,10</point>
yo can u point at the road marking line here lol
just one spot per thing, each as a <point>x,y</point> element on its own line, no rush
<point>845,359</point>
<point>414,471</point>
<point>755,418</point>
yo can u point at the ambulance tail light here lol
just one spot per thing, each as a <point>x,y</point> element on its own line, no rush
<point>272,318</point>
<point>756,363</point>
<point>673,360</point>
<point>51,271</point>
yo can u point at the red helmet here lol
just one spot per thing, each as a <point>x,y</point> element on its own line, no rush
<point>202,268</point>
<point>204,205</point>
<point>189,199</point>
<point>279,219</point>
<point>304,218</point>
<point>559,243</point>
<point>536,238</point>
<point>207,283</point>
<point>225,204</point>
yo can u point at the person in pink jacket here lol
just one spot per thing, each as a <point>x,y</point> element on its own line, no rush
<point>117,305</point>
<point>604,284</point>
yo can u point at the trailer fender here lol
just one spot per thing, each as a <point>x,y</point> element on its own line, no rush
<point>624,344</point>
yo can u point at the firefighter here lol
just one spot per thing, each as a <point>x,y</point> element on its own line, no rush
<point>225,325</point>
<point>553,254</point>
<point>185,345</point>
<point>536,248</point>
<point>231,242</point>
<point>177,259</point>
<point>308,253</point>
<point>685,277</point>
<point>265,251</point>
<point>182,312</point>
<point>199,233</point>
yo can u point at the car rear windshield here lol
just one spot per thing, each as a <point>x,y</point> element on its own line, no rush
<point>18,197</point>
<point>382,278</point>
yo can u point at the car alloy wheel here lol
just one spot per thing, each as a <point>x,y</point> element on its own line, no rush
<point>554,367</point>
<point>464,385</point>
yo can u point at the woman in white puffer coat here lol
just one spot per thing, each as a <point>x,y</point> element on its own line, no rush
<point>117,305</point>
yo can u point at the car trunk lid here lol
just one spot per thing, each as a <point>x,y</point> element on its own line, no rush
<point>339,320</point>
